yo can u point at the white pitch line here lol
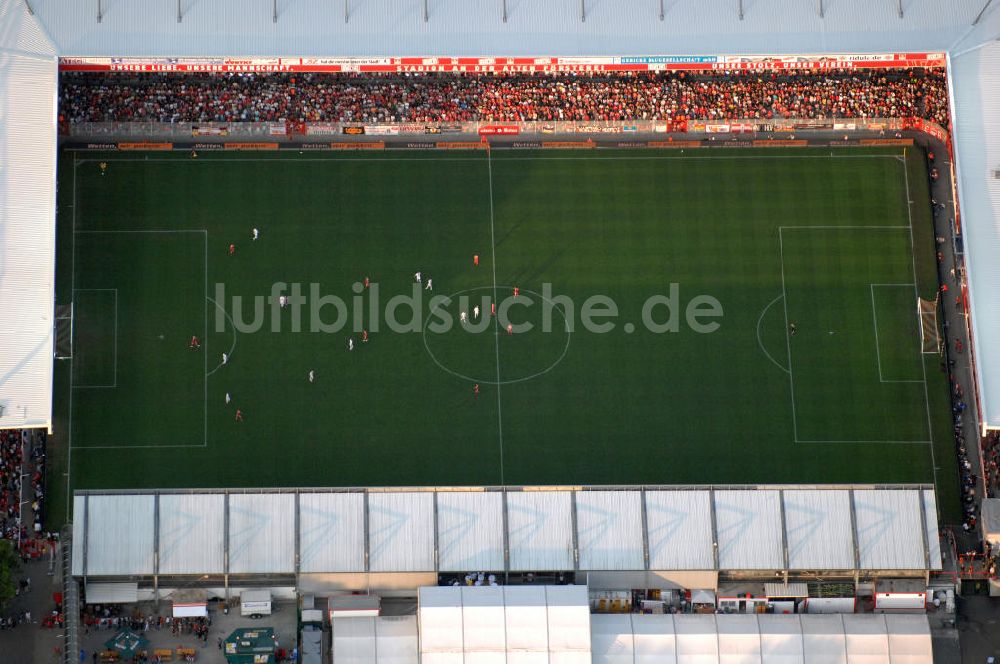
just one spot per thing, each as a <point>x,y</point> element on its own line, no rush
<point>678,155</point>
<point>69,421</point>
<point>916,292</point>
<point>761,343</point>
<point>232,348</point>
<point>878,353</point>
<point>496,321</point>
<point>788,341</point>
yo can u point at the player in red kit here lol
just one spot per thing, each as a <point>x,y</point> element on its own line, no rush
<point>510,328</point>
<point>367,282</point>
<point>239,415</point>
<point>232,249</point>
<point>517,291</point>
<point>475,259</point>
<point>475,389</point>
<point>364,336</point>
<point>493,308</point>
<point>194,343</point>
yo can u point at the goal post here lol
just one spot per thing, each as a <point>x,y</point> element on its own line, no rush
<point>930,337</point>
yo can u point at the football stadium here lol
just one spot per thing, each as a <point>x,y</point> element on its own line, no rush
<point>436,332</point>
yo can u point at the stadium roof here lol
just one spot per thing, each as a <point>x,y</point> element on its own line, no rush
<point>476,27</point>
<point>599,530</point>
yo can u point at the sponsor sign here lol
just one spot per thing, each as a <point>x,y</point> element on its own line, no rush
<point>277,129</point>
<point>674,144</point>
<point>781,143</point>
<point>208,146</point>
<point>461,145</point>
<point>322,128</point>
<point>886,141</point>
<point>312,146</point>
<point>381,130</point>
<point>199,130</point>
<point>251,146</point>
<point>451,129</point>
<point>376,145</point>
<point>499,130</point>
<point>717,128</point>
<point>353,131</point>
<point>146,146</point>
<point>418,145</point>
<point>569,145</point>
<point>526,144</point>
<point>101,146</point>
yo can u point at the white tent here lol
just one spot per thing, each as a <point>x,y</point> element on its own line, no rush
<point>767,639</point>
<point>382,640</point>
<point>496,625</point>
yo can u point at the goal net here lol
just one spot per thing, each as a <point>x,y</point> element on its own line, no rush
<point>64,331</point>
<point>930,339</point>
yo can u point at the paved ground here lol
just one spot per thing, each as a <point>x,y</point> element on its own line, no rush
<point>979,628</point>
<point>283,620</point>
<point>29,642</point>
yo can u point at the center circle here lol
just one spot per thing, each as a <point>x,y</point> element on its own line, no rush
<point>494,381</point>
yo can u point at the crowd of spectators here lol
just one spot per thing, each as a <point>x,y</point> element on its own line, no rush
<point>991,460</point>
<point>22,456</point>
<point>447,97</point>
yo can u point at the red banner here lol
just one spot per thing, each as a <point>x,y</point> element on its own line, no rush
<point>506,64</point>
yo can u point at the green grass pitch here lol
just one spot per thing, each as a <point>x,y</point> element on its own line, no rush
<point>829,242</point>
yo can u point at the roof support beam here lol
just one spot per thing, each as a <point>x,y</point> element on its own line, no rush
<point>784,533</point>
<point>661,10</point>
<point>576,536</point>
<point>347,12</point>
<point>854,536</point>
<point>426,15</point>
<point>100,12</point>
<point>820,3</point>
<point>979,16</point>
<point>645,529</point>
<point>739,8</point>
<point>899,5</point>
<point>274,11</point>
<point>506,536</point>
<point>504,11</point>
<point>715,531</point>
<point>583,11</point>
<point>180,16</point>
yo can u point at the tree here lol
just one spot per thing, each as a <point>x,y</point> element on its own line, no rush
<point>9,565</point>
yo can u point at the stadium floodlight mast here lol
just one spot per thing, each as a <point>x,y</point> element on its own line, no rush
<point>274,11</point>
<point>661,10</point>
<point>820,3</point>
<point>179,15</point>
<point>504,11</point>
<point>100,14</point>
<point>739,8</point>
<point>583,11</point>
<point>425,11</point>
<point>899,5</point>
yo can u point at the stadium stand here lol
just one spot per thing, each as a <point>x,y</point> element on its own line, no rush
<point>89,97</point>
<point>22,455</point>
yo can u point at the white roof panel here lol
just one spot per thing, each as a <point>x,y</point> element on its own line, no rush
<point>867,638</point>
<point>454,27</point>
<point>569,619</point>
<point>332,532</point>
<point>120,537</point>
<point>933,536</point>
<point>823,640</point>
<point>749,529</point>
<point>976,104</point>
<point>739,638</point>
<point>401,532</point>
<point>261,533</point>
<point>890,531</point>
<point>353,640</point>
<point>484,631</point>
<point>909,639</point>
<point>527,620</point>
<point>191,533</point>
<point>540,530</point>
<point>27,225</point>
<point>654,639</point>
<point>396,640</point>
<point>440,623</point>
<point>609,530</point>
<point>470,531</point>
<point>697,639</point>
<point>679,524</point>
<point>780,639</point>
<point>78,533</point>
<point>818,527</point>
<point>611,638</point>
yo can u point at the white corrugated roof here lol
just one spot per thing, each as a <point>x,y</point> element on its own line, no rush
<point>191,533</point>
<point>476,27</point>
<point>749,529</point>
<point>470,531</point>
<point>818,527</point>
<point>976,100</point>
<point>125,543</point>
<point>401,532</point>
<point>261,533</point>
<point>332,532</point>
<point>27,212</point>
<point>609,530</point>
<point>890,530</point>
<point>540,530</point>
<point>676,524</point>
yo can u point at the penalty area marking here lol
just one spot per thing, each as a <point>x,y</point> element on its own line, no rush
<point>204,233</point>
<point>487,381</point>
<point>791,374</point>
<point>760,342</point>
<point>232,348</point>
